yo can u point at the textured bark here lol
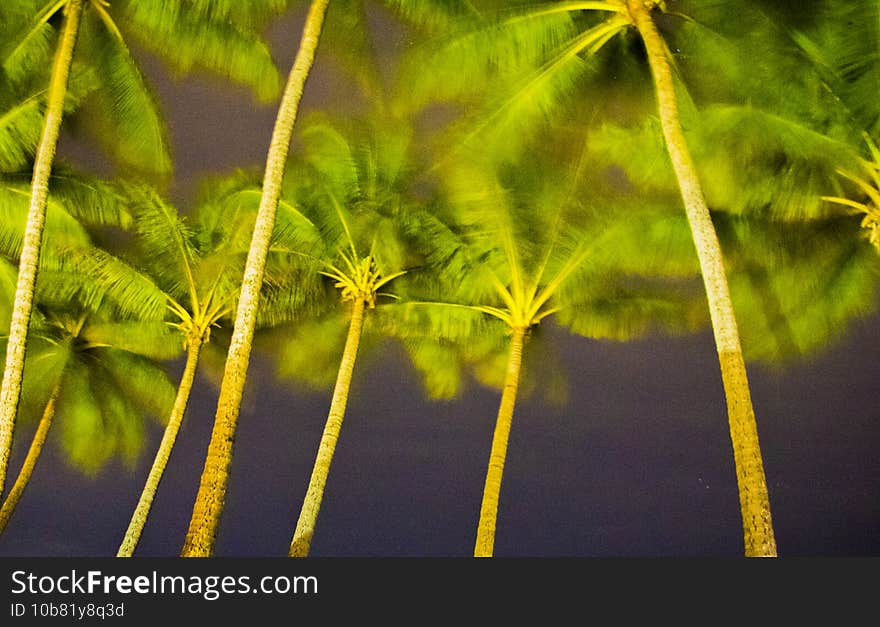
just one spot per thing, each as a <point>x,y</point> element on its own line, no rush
<point>30,461</point>
<point>10,392</point>
<point>142,509</point>
<point>305,526</point>
<point>758,534</point>
<point>205,519</point>
<point>485,542</point>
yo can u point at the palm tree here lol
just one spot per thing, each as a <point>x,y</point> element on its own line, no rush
<point>202,33</point>
<point>354,182</point>
<point>96,371</point>
<point>208,506</point>
<point>197,272</point>
<point>212,487</point>
<point>198,264</point>
<point>563,41</point>
<point>522,250</point>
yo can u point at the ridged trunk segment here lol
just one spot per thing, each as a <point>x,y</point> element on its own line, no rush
<point>211,496</point>
<point>754,501</point>
<point>485,543</point>
<point>30,461</point>
<point>10,392</point>
<point>305,525</point>
<point>163,454</point>
<point>759,539</point>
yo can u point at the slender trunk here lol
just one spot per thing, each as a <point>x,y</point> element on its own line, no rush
<point>759,540</point>
<point>208,506</point>
<point>491,491</point>
<point>33,235</point>
<point>142,510</point>
<point>30,460</point>
<point>305,526</point>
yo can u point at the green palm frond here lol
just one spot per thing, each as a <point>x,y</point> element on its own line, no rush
<point>251,15</point>
<point>432,15</point>
<point>445,321</point>
<point>8,279</point>
<point>328,151</point>
<point>798,287</point>
<point>92,201</point>
<point>346,39</point>
<point>63,229</point>
<point>308,351</point>
<point>756,160</point>
<point>123,113</point>
<point>638,151</point>
<point>217,44</point>
<point>144,383</point>
<point>28,38</point>
<point>45,365</point>
<point>105,280</point>
<point>83,437</point>
<point>20,128</point>
<point>440,366</point>
<point>624,312</point>
<point>506,44</point>
<point>22,111</point>
<point>152,339</point>
<point>165,241</point>
<point>842,45</point>
<point>104,397</point>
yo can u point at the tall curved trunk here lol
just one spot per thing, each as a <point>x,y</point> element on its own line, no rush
<point>142,509</point>
<point>30,461</point>
<point>305,526</point>
<point>201,535</point>
<point>485,543</point>
<point>758,533</point>
<point>10,392</point>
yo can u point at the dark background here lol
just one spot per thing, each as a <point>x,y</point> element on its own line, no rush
<point>637,463</point>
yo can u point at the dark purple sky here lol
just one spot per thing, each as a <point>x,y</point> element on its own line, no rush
<point>637,463</point>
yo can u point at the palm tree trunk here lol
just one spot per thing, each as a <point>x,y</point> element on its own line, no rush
<point>491,491</point>
<point>30,460</point>
<point>758,534</point>
<point>142,510</point>
<point>305,526</point>
<point>205,519</point>
<point>33,235</point>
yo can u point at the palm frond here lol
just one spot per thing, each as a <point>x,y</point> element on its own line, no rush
<point>622,313</point>
<point>61,228</point>
<point>152,339</point>
<point>756,160</point>
<point>144,383</point>
<point>504,44</point>
<point>124,114</point>
<point>165,241</point>
<point>106,280</point>
<point>27,39</point>
<point>187,39</point>
<point>84,439</point>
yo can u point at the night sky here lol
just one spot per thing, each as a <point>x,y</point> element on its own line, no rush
<point>637,462</point>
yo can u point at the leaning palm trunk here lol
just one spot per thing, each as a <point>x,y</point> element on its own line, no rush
<point>30,461</point>
<point>33,235</point>
<point>305,526</point>
<point>205,519</point>
<point>492,490</point>
<point>754,500</point>
<point>142,510</point>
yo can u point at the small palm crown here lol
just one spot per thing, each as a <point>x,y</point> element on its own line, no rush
<point>362,279</point>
